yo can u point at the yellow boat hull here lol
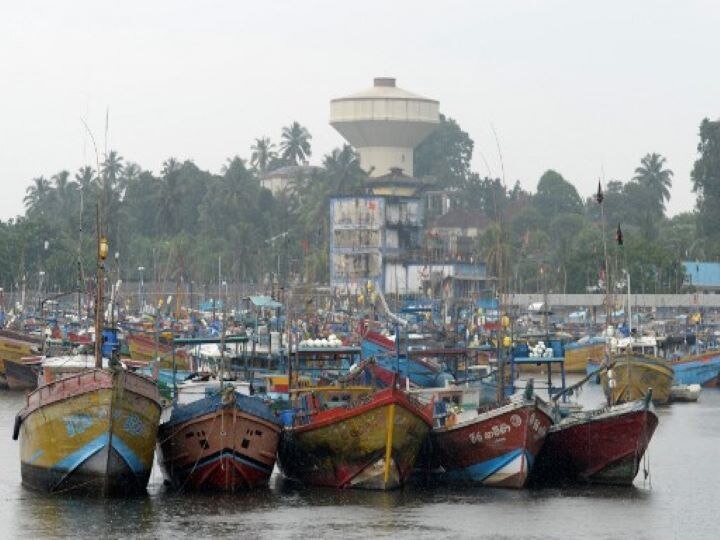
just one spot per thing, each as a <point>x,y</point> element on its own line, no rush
<point>372,446</point>
<point>635,375</point>
<point>94,432</point>
<point>576,359</point>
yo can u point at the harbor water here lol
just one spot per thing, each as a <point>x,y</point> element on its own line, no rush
<point>679,498</point>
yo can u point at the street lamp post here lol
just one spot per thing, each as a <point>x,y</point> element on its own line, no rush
<point>627,275</point>
<point>141,289</point>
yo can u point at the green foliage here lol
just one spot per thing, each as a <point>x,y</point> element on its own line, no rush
<point>178,223</point>
<point>555,195</point>
<point>445,155</point>
<point>295,144</point>
<point>655,178</point>
<point>706,180</point>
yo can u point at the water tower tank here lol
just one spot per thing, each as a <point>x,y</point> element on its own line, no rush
<point>384,123</point>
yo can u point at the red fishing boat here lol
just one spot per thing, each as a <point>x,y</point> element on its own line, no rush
<point>601,446</point>
<point>224,441</point>
<point>353,437</point>
<point>495,447</point>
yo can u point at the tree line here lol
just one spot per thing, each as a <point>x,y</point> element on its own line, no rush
<point>179,223</point>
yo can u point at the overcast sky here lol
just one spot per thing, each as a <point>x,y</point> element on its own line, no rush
<point>580,87</point>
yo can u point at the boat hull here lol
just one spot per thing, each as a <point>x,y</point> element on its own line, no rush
<point>702,369</point>
<point>92,432</point>
<point>219,445</point>
<point>576,358</point>
<point>635,375</point>
<point>370,446</point>
<point>144,349</point>
<point>604,448</point>
<point>497,448</point>
<point>21,376</point>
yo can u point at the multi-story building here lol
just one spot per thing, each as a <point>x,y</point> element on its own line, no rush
<point>380,237</point>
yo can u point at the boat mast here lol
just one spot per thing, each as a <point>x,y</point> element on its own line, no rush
<point>221,371</point>
<point>102,249</point>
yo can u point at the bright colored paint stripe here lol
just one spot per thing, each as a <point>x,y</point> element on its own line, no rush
<point>128,455</point>
<point>235,457</point>
<point>72,461</point>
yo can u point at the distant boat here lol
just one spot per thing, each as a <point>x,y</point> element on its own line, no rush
<point>493,447</point>
<point>634,375</point>
<point>14,346</point>
<point>23,374</point>
<point>577,354</point>
<point>422,370</point>
<point>702,369</point>
<point>145,349</point>
<point>218,440</point>
<point>599,446</point>
<point>353,437</point>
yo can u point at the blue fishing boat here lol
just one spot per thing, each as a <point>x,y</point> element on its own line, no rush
<point>419,366</point>
<point>702,369</point>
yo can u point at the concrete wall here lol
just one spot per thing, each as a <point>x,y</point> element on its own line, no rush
<point>698,300</point>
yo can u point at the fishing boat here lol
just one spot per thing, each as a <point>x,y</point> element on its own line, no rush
<point>14,346</point>
<point>419,366</point>
<point>577,354</point>
<point>493,447</point>
<point>634,375</point>
<point>353,437</point>
<point>702,369</point>
<point>92,431</point>
<point>604,445</point>
<point>23,374</point>
<point>221,439</point>
<point>145,348</point>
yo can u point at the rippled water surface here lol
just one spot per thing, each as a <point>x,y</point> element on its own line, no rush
<point>680,499</point>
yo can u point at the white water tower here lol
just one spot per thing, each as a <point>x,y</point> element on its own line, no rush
<point>385,124</point>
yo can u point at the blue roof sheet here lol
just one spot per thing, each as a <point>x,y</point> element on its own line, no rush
<point>265,301</point>
<point>703,274</point>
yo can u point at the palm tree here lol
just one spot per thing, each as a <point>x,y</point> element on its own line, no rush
<point>295,144</point>
<point>85,177</point>
<point>651,174</point>
<point>112,167</point>
<point>343,169</point>
<point>171,195</point>
<point>65,190</point>
<point>263,153</point>
<point>37,194</point>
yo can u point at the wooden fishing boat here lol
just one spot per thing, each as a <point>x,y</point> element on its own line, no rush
<point>702,369</point>
<point>143,348</point>
<point>578,354</point>
<point>223,440</point>
<point>23,374</point>
<point>605,445</point>
<point>495,447</point>
<point>634,375</point>
<point>14,346</point>
<point>353,437</point>
<point>93,432</point>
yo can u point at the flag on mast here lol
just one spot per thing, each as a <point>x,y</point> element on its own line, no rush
<point>599,196</point>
